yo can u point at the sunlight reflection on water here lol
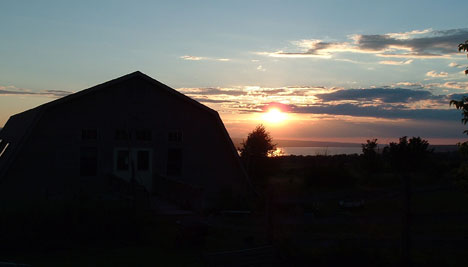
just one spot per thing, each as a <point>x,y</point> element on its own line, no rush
<point>313,151</point>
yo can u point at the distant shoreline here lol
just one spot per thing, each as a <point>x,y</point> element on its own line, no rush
<point>301,143</point>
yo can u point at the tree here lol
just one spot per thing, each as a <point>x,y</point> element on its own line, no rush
<point>464,47</point>
<point>463,106</point>
<point>463,103</point>
<point>371,159</point>
<point>254,153</point>
<point>407,154</point>
<point>369,148</point>
<point>258,144</point>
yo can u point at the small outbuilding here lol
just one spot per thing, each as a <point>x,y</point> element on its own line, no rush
<point>130,132</point>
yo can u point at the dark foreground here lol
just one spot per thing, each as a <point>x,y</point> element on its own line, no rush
<point>320,211</point>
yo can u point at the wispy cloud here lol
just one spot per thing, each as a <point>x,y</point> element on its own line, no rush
<point>376,95</point>
<point>455,65</point>
<point>212,91</point>
<point>455,85</point>
<point>408,35</point>
<point>12,90</point>
<point>196,58</point>
<point>414,44</point>
<point>397,63</point>
<point>261,68</point>
<point>435,74</point>
<point>414,85</point>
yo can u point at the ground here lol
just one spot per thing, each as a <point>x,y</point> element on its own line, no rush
<point>304,221</point>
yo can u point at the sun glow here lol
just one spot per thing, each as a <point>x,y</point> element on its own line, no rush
<point>274,115</point>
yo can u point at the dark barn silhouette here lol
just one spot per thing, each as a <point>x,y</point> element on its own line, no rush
<point>133,133</point>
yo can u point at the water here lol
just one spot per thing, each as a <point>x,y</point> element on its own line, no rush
<point>314,151</point>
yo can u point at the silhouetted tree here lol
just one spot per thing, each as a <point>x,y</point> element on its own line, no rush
<point>258,144</point>
<point>254,154</point>
<point>462,104</point>
<point>371,159</point>
<point>407,154</point>
<point>464,47</point>
<point>369,149</point>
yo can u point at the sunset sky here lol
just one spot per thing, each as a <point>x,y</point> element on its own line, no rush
<point>340,70</point>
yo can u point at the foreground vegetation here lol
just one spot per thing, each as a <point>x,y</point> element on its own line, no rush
<point>301,208</point>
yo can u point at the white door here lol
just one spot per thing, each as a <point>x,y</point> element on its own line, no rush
<point>138,159</point>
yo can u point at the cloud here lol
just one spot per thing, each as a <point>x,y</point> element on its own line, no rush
<point>409,84</point>
<point>254,91</point>
<point>392,62</point>
<point>390,102</point>
<point>283,54</point>
<point>380,112</point>
<point>396,95</point>
<point>455,65</point>
<point>414,44</point>
<point>455,85</point>
<point>192,58</point>
<point>283,107</point>
<point>456,96</point>
<point>208,100</point>
<point>195,58</point>
<point>434,74</point>
<point>260,68</point>
<point>11,90</point>
<point>211,91</point>
<point>408,35</point>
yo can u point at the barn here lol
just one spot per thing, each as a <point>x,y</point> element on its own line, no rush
<point>105,141</point>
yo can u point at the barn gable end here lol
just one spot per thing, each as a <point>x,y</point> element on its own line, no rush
<point>50,145</point>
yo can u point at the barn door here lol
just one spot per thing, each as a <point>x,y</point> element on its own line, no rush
<point>139,158</point>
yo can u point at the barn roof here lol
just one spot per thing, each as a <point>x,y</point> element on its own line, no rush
<point>19,126</point>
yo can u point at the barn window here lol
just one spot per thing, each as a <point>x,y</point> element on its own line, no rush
<point>122,160</point>
<point>88,161</point>
<point>174,161</point>
<point>121,134</point>
<point>143,135</point>
<point>143,160</point>
<point>175,136</point>
<point>89,134</point>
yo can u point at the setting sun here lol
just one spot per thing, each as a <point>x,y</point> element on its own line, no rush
<point>274,115</point>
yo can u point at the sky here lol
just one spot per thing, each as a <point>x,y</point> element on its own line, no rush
<point>339,70</point>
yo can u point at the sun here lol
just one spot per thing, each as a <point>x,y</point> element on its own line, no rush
<point>274,115</point>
